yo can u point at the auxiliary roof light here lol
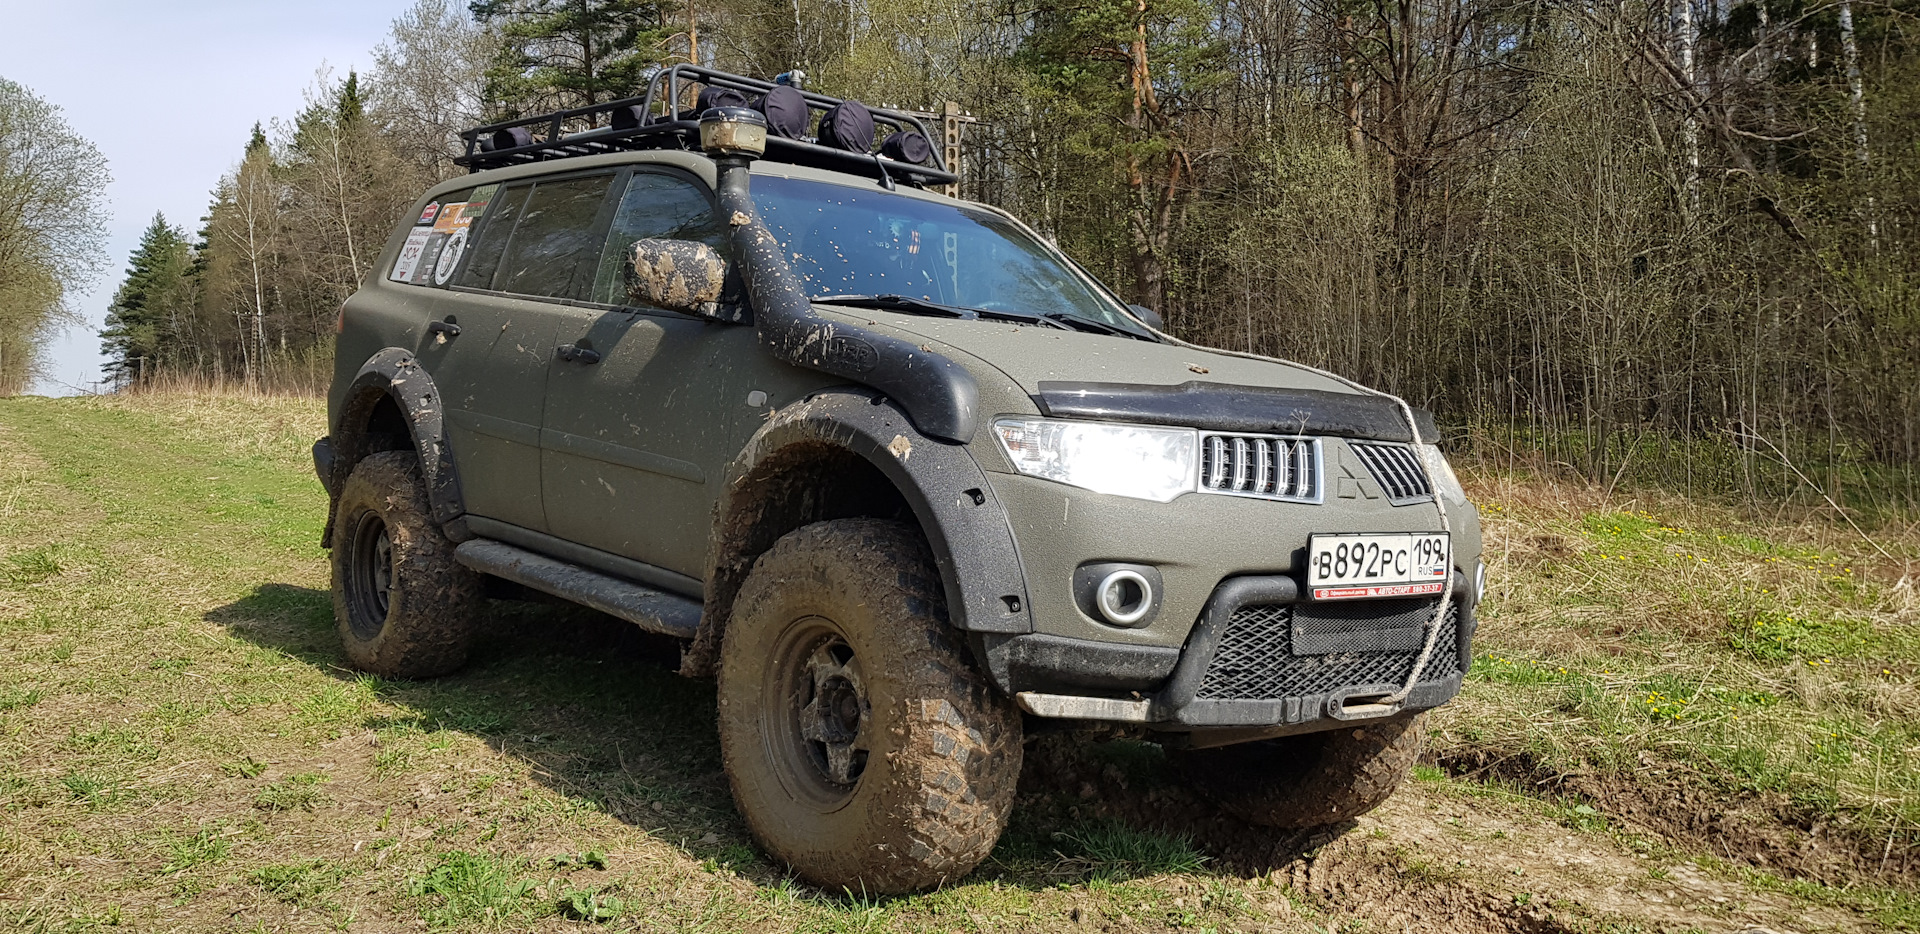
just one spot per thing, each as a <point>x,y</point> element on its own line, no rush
<point>733,131</point>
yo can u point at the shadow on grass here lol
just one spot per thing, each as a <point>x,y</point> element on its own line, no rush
<point>594,705</point>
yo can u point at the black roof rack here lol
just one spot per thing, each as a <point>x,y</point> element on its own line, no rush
<point>554,137</point>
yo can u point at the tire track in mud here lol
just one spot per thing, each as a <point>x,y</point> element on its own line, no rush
<point>1434,858</point>
<point>1765,832</point>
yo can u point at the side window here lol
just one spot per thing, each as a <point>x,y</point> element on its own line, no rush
<point>656,205</point>
<point>490,238</point>
<point>555,237</point>
<point>427,241</point>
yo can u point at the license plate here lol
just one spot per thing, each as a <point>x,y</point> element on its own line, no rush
<point>1354,567</point>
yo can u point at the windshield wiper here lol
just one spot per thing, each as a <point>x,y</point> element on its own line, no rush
<point>1067,317</point>
<point>923,306</point>
<point>896,303</point>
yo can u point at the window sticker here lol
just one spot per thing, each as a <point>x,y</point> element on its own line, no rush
<point>429,258</point>
<point>410,254</point>
<point>427,216</point>
<point>477,203</point>
<point>449,220</point>
<point>449,257</point>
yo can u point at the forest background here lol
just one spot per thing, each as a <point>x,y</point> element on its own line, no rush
<point>1669,241</point>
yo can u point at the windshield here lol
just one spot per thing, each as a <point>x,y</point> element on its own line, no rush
<point>844,240</point>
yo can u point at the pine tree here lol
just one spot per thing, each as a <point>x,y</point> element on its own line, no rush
<point>145,318</point>
<point>568,53</point>
<point>349,104</point>
<point>1122,73</point>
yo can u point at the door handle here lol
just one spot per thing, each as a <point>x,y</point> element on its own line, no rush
<point>574,353</point>
<point>447,328</point>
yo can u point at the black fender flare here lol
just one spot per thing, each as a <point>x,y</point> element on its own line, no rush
<point>964,522</point>
<point>394,373</point>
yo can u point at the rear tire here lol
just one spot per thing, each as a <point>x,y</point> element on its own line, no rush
<point>1311,780</point>
<point>864,748</point>
<point>404,608</point>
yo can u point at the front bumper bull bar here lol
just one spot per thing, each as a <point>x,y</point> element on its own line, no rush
<point>1179,703</point>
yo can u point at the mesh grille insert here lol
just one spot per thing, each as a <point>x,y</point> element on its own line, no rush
<point>1396,468</point>
<point>1259,465</point>
<point>1259,658</point>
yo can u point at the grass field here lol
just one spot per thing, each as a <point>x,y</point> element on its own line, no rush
<point>1679,719</point>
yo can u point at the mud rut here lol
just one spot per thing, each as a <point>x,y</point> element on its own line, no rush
<point>1434,860</point>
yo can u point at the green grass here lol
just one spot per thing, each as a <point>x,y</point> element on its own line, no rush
<point>1734,657</point>
<point>183,747</point>
<point>306,884</point>
<point>475,887</point>
<point>207,845</point>
<point>1116,851</point>
<point>293,793</point>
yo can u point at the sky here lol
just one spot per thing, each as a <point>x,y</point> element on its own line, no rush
<point>169,92</point>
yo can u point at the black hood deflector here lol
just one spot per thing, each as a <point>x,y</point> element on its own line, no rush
<point>1248,409</point>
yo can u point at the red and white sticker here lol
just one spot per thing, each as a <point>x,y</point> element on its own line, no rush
<point>409,260</point>
<point>1389,590</point>
<point>427,216</point>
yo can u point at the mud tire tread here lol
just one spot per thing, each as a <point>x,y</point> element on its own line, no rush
<point>1313,780</point>
<point>435,603</point>
<point>951,778</point>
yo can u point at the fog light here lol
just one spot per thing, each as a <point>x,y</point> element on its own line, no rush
<point>733,131</point>
<point>1124,597</point>
<point>1480,583</point>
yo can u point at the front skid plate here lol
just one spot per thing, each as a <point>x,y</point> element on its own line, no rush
<point>1297,714</point>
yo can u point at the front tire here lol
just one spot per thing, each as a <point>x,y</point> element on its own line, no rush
<point>864,748</point>
<point>403,606</point>
<point>1312,780</point>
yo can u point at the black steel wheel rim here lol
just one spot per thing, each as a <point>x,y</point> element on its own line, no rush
<point>369,575</point>
<point>818,717</point>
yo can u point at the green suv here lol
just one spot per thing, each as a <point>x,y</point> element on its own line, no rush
<point>905,479</point>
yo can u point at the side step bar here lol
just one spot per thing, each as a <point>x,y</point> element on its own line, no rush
<point>645,607</point>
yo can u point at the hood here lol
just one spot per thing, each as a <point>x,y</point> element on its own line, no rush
<point>1087,375</point>
<point>1030,355</point>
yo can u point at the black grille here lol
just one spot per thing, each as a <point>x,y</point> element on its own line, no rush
<point>1261,658</point>
<point>1396,468</point>
<point>1364,626</point>
<point>1253,465</point>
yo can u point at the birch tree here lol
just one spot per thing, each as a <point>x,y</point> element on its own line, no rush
<point>246,228</point>
<point>426,83</point>
<point>52,224</point>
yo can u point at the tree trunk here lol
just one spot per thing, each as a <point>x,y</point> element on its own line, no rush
<point>1150,202</point>
<point>1686,39</point>
<point>1857,101</point>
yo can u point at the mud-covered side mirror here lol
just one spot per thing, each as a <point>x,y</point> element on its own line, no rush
<point>678,275</point>
<point>1148,315</point>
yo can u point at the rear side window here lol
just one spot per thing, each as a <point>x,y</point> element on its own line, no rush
<point>555,237</point>
<point>490,238</point>
<point>660,206</point>
<point>427,241</point>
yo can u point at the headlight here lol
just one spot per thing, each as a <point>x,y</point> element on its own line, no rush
<point>1445,481</point>
<point>1125,460</point>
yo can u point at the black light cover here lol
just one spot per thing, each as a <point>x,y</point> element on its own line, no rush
<point>512,137</point>
<point>627,118</point>
<point>711,97</point>
<point>849,126</point>
<point>786,112</point>
<point>630,117</point>
<point>907,146</point>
